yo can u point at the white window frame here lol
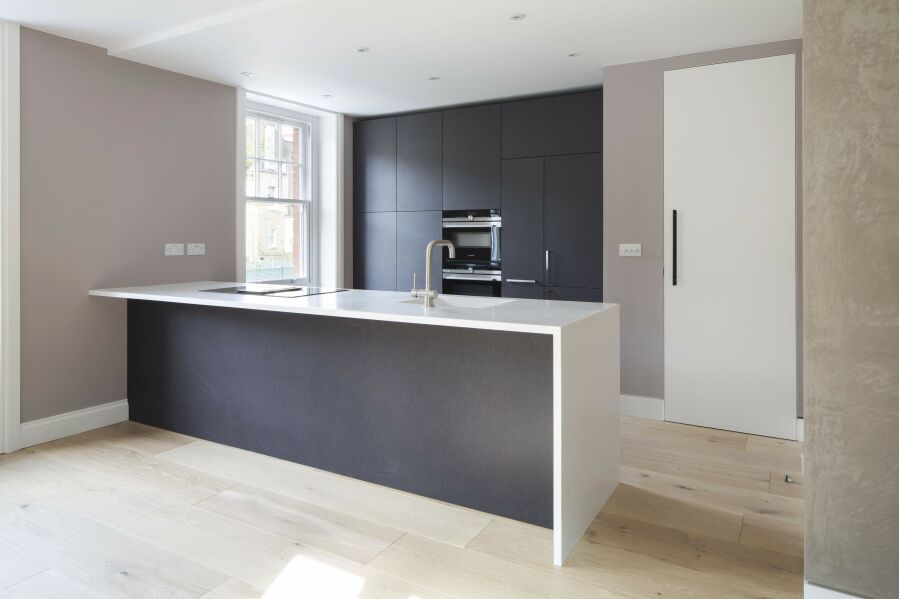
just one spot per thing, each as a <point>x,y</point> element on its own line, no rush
<point>311,166</point>
<point>10,420</point>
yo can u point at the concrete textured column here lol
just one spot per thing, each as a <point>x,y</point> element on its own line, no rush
<point>851,289</point>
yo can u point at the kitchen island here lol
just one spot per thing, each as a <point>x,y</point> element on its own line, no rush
<point>502,405</point>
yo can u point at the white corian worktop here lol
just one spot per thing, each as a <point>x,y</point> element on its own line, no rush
<point>527,316</point>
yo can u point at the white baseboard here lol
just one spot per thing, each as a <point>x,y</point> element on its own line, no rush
<point>815,592</point>
<point>652,408</point>
<point>72,423</point>
<point>800,430</point>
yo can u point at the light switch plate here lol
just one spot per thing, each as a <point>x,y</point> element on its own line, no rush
<point>174,249</point>
<point>630,249</point>
<point>196,249</point>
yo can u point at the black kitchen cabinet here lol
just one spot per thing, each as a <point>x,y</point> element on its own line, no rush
<point>374,168</point>
<point>572,220</point>
<point>522,289</point>
<point>413,232</point>
<point>471,158</point>
<point>522,236</point>
<point>569,124</point>
<point>419,161</point>
<point>374,250</point>
<point>576,294</point>
<point>539,161</point>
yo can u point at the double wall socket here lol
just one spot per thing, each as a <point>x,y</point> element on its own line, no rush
<point>177,249</point>
<point>630,249</point>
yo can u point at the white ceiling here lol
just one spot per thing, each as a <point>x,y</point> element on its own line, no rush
<point>303,49</point>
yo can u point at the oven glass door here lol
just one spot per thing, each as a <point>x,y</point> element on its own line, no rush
<point>474,244</point>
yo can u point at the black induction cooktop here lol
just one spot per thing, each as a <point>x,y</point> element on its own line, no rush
<point>275,289</point>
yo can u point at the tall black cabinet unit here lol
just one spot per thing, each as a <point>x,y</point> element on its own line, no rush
<point>419,196</point>
<point>471,158</point>
<point>552,197</point>
<point>413,232</point>
<point>419,162</point>
<point>398,182</point>
<point>522,241</point>
<point>374,168</point>
<point>374,250</point>
<point>569,124</point>
<point>539,161</point>
<point>572,220</point>
<point>552,227</point>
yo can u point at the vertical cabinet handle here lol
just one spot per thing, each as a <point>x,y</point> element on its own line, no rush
<point>674,247</point>
<point>546,267</point>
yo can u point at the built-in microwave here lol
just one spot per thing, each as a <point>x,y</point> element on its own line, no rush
<point>476,235</point>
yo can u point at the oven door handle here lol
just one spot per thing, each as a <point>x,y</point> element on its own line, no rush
<point>472,225</point>
<point>485,278</point>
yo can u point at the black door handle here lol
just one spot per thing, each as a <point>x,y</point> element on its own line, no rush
<point>674,247</point>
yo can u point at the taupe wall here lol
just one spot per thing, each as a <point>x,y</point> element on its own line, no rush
<point>851,241</point>
<point>117,159</point>
<point>633,159</point>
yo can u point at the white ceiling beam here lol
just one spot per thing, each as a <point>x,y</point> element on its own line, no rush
<point>227,16</point>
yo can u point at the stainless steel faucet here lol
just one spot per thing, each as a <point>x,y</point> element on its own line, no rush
<point>428,292</point>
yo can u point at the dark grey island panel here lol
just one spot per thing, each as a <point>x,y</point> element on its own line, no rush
<point>457,414</point>
<point>507,406</point>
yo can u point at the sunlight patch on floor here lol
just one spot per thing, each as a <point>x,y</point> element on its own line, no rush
<point>306,577</point>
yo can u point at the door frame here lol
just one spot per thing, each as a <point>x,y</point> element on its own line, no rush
<point>10,337</point>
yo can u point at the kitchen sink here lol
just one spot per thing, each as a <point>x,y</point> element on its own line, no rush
<point>461,301</point>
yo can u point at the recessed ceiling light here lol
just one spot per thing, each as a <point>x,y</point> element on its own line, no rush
<point>519,16</point>
<point>434,78</point>
<point>327,96</point>
<point>248,74</point>
<point>363,49</point>
<point>573,54</point>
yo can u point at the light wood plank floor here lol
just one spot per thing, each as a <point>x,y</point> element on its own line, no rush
<point>133,511</point>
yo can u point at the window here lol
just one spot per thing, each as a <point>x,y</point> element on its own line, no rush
<point>279,198</point>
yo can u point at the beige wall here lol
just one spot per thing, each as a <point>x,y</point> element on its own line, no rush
<point>117,159</point>
<point>851,241</point>
<point>633,96</point>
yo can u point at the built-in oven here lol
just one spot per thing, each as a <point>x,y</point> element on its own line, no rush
<point>471,281</point>
<point>476,235</point>
<point>476,268</point>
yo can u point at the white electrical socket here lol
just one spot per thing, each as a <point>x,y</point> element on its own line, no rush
<point>196,249</point>
<point>174,249</point>
<point>630,249</point>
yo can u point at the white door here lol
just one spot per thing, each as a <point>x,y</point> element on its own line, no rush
<point>730,314</point>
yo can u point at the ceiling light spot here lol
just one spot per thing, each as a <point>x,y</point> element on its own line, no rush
<point>363,49</point>
<point>573,54</point>
<point>519,16</point>
<point>248,74</point>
